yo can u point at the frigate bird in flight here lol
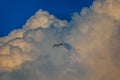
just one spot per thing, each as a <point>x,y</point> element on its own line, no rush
<point>57,45</point>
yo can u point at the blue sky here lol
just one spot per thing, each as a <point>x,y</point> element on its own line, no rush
<point>14,13</point>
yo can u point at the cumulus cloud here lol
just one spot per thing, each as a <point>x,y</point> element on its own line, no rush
<point>91,49</point>
<point>108,7</point>
<point>44,19</point>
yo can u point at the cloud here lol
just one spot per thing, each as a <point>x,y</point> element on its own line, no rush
<point>107,7</point>
<point>44,19</point>
<point>90,52</point>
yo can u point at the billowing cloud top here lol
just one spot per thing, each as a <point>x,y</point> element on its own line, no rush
<point>90,50</point>
<point>45,20</point>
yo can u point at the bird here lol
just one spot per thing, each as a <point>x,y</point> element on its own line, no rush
<point>57,45</point>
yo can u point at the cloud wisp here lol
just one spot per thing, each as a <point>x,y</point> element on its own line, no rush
<point>90,51</point>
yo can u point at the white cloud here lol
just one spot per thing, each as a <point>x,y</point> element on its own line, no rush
<point>91,46</point>
<point>108,7</point>
<point>45,20</point>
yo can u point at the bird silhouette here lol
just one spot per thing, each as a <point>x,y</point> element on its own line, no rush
<point>57,45</point>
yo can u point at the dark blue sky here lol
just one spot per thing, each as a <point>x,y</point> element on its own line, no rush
<point>14,13</point>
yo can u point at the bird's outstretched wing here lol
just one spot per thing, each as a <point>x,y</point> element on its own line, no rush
<point>55,45</point>
<point>60,44</point>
